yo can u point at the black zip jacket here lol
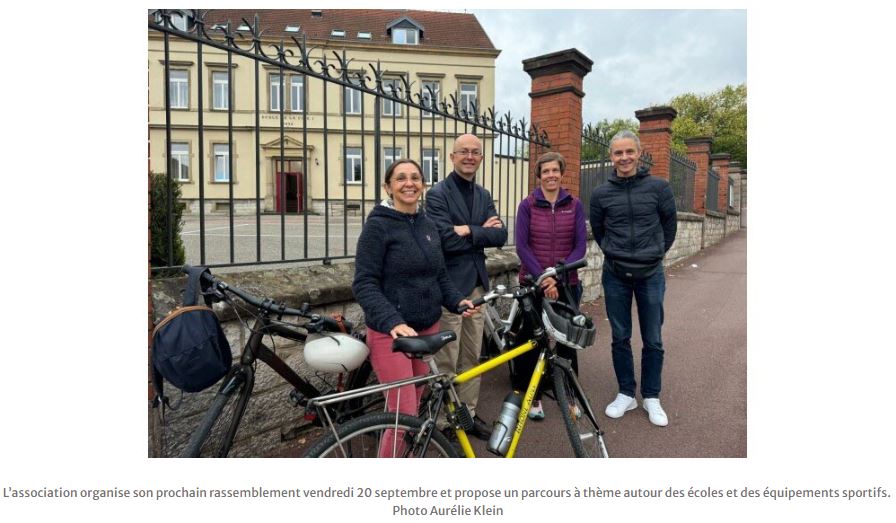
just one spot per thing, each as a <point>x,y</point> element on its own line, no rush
<point>400,274</point>
<point>634,219</point>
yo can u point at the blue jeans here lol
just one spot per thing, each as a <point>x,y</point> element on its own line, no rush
<point>648,295</point>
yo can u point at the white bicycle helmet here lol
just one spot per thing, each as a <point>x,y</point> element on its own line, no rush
<point>565,325</point>
<point>334,352</point>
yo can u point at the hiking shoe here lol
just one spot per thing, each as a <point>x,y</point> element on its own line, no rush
<point>480,429</point>
<point>655,412</point>
<point>536,412</point>
<point>621,405</point>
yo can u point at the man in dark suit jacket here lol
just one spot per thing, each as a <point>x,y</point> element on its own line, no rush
<point>467,221</point>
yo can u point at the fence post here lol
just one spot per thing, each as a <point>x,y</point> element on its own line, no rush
<point>721,161</point>
<point>557,108</point>
<point>655,134</point>
<point>698,152</point>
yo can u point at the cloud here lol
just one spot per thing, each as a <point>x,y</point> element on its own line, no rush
<point>641,57</point>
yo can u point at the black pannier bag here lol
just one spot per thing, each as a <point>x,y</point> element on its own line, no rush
<point>189,348</point>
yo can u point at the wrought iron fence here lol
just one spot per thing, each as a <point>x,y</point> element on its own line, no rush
<point>712,191</point>
<point>681,177</point>
<point>596,165</point>
<point>265,213</point>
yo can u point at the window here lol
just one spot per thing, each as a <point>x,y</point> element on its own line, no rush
<point>352,102</point>
<point>404,35</point>
<point>431,165</point>
<point>275,92</point>
<point>391,87</point>
<point>353,167</point>
<point>337,33</point>
<point>222,164</point>
<point>179,89</point>
<point>389,156</point>
<point>297,93</point>
<point>468,100</point>
<point>220,91</point>
<point>430,100</point>
<point>179,20</point>
<point>180,161</point>
<point>364,35</point>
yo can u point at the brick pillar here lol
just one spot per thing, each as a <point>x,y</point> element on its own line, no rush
<point>721,161</point>
<point>656,136</point>
<point>557,108</point>
<point>698,152</point>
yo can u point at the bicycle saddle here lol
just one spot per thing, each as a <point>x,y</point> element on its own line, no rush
<point>419,346</point>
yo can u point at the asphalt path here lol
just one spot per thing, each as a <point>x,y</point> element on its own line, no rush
<point>704,377</point>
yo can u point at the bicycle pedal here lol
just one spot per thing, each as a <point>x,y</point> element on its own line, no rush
<point>463,419</point>
<point>298,399</point>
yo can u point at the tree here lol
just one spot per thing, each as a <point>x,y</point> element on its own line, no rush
<point>159,223</point>
<point>721,115</point>
<point>594,146</point>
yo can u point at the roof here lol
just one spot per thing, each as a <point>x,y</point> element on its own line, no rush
<point>440,29</point>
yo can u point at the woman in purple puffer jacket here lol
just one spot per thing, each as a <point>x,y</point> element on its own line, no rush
<point>550,228</point>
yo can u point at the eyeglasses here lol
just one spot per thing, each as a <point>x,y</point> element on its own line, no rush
<point>465,152</point>
<point>402,178</point>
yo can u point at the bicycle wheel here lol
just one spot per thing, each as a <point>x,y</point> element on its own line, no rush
<point>235,393</point>
<point>585,436</point>
<point>371,436</point>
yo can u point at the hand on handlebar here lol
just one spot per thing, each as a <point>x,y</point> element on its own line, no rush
<point>468,308</point>
<point>549,287</point>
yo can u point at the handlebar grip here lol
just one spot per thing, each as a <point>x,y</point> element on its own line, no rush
<point>574,265</point>
<point>476,303</point>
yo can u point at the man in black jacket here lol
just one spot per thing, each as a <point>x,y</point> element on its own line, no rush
<point>465,215</point>
<point>634,222</point>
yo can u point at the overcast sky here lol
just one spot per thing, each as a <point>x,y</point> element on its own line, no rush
<point>641,57</point>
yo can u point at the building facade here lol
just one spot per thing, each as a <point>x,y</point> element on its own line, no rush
<point>312,141</point>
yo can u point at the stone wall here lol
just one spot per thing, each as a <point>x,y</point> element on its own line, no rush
<point>688,238</point>
<point>732,222</point>
<point>713,228</point>
<point>271,423</point>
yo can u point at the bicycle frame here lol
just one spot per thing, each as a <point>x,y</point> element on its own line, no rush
<point>528,398</point>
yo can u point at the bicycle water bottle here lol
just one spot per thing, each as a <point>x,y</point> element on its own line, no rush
<point>504,426</point>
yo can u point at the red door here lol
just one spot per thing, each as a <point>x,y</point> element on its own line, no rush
<point>288,187</point>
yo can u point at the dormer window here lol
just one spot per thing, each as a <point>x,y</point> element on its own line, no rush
<point>404,35</point>
<point>364,35</point>
<point>405,31</point>
<point>337,33</point>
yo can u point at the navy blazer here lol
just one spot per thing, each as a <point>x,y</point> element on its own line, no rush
<point>464,256</point>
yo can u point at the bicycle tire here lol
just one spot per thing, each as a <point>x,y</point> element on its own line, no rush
<point>585,436</point>
<point>201,435</point>
<point>360,438</point>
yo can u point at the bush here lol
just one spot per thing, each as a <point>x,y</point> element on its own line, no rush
<point>159,223</point>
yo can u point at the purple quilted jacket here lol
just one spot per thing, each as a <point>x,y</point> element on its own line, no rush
<point>546,234</point>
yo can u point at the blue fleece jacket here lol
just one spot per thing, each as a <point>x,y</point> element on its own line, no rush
<point>400,274</point>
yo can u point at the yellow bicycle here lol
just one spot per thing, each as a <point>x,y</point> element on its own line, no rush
<point>389,434</point>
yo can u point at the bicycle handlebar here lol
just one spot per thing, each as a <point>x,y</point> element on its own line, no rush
<point>560,268</point>
<point>317,322</point>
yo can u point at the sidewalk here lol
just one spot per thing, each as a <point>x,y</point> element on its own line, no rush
<point>704,376</point>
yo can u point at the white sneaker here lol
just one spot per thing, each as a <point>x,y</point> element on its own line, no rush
<point>655,412</point>
<point>621,405</point>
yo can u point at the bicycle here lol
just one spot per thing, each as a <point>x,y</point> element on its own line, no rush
<point>240,380</point>
<point>417,436</point>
